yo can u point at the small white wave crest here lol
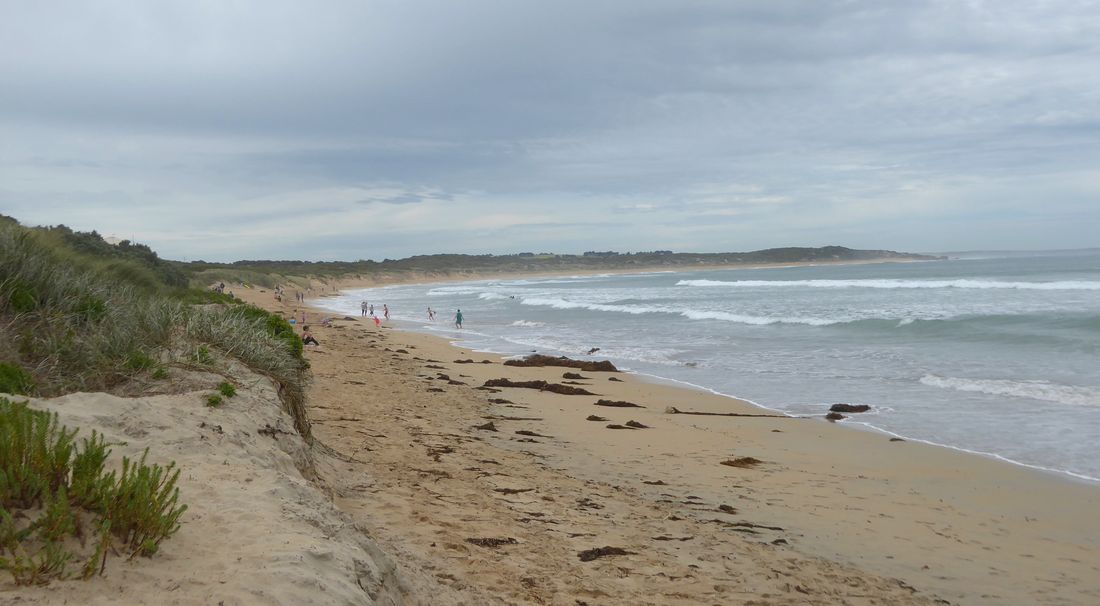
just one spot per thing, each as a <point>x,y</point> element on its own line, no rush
<point>528,324</point>
<point>1035,390</point>
<point>893,284</point>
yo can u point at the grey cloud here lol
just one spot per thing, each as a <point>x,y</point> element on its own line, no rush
<point>616,108</point>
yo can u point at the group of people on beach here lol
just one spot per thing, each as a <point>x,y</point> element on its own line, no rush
<point>365,309</point>
<point>458,317</point>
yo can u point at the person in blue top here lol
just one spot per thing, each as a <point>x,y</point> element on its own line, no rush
<point>458,319</point>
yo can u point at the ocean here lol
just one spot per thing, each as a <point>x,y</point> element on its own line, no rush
<point>993,353</point>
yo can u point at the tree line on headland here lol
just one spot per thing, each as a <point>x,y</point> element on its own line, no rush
<point>141,264</point>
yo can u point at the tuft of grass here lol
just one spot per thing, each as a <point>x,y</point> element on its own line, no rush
<point>226,388</point>
<point>15,380</point>
<point>49,484</point>
<point>214,400</point>
<point>139,360</point>
<point>202,356</point>
<point>160,373</point>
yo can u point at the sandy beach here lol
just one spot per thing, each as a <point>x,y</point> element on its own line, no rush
<point>830,514</point>
<point>425,486</point>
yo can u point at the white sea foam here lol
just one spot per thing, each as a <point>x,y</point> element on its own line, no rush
<point>691,314</point>
<point>490,296</point>
<point>566,304</point>
<point>528,324</point>
<point>890,284</point>
<point>1035,390</point>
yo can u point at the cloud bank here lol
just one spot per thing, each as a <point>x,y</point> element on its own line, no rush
<point>371,129</point>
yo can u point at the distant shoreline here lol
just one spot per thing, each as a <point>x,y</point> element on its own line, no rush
<point>415,277</point>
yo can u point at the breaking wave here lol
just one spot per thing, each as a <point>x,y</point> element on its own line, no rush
<point>892,284</point>
<point>1035,390</point>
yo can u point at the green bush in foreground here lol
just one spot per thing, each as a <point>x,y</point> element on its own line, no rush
<point>55,495</point>
<point>15,380</point>
<point>214,400</point>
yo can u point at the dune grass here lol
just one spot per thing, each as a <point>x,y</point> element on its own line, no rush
<point>76,315</point>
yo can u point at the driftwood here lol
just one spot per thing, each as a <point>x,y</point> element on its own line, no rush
<point>672,410</point>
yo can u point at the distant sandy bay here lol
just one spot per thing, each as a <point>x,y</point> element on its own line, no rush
<point>498,491</point>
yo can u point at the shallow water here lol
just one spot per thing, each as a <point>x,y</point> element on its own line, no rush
<point>994,353</point>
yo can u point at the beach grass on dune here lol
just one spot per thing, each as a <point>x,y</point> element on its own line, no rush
<point>78,315</point>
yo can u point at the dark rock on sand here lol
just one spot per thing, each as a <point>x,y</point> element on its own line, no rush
<point>594,418</point>
<point>636,425</point>
<point>835,416</point>
<point>849,408</point>
<point>487,427</point>
<point>573,375</point>
<point>615,379</point>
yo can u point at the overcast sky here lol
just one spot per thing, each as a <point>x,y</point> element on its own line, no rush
<point>369,129</point>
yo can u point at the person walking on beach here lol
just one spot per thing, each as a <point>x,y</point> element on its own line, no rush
<point>372,309</point>
<point>458,319</point>
<point>363,308</point>
<point>386,311</point>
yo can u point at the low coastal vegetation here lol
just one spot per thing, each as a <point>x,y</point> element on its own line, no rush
<point>79,314</point>
<point>59,506</point>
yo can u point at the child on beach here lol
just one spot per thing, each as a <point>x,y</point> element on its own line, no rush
<point>458,319</point>
<point>386,311</point>
<point>377,322</point>
<point>307,337</point>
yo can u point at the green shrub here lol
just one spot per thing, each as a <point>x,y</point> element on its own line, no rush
<point>139,360</point>
<point>226,388</point>
<point>22,299</point>
<point>46,481</point>
<point>15,380</point>
<point>214,400</point>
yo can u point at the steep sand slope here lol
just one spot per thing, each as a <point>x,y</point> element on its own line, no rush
<point>256,531</point>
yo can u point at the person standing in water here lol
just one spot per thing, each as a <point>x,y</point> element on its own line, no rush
<point>386,311</point>
<point>458,319</point>
<point>431,315</point>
